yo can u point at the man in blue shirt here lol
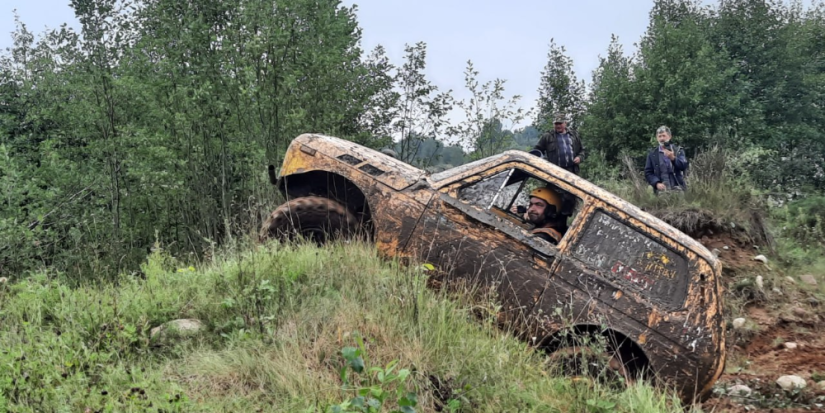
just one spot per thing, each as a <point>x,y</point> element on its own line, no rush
<point>666,164</point>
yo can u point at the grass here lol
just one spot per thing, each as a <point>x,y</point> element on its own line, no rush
<point>276,320</point>
<point>719,197</point>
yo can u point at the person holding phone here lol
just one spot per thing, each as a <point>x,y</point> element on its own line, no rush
<point>666,164</point>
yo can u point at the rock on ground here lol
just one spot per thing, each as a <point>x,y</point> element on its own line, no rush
<point>761,258</point>
<point>791,382</point>
<point>739,390</point>
<point>808,279</point>
<point>800,312</point>
<point>738,323</point>
<point>181,327</point>
<point>790,346</point>
<point>760,282</point>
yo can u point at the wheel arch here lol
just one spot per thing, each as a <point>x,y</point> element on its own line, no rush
<point>330,185</point>
<point>630,352</point>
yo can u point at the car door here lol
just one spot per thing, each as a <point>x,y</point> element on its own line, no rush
<point>467,232</point>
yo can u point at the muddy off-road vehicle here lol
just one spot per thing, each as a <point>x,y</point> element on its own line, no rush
<point>617,272</point>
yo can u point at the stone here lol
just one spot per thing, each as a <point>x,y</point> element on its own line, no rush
<point>821,385</point>
<point>179,328</point>
<point>761,258</point>
<point>808,279</point>
<point>777,290</point>
<point>791,382</point>
<point>790,345</point>
<point>760,282</point>
<point>726,248</point>
<point>790,280</point>
<point>800,312</point>
<point>739,390</point>
<point>3,280</point>
<point>738,323</point>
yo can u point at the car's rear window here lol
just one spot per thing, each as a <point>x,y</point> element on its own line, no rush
<point>629,258</point>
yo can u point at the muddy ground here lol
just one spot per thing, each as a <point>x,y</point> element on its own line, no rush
<point>780,312</point>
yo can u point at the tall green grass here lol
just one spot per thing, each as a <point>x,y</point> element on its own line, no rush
<point>720,196</point>
<point>276,319</point>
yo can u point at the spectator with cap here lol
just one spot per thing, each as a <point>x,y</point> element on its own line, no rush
<point>562,146</point>
<point>666,164</point>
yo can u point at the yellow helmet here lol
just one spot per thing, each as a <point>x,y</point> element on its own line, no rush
<point>548,195</point>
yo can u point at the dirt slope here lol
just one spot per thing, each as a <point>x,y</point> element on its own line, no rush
<point>780,312</point>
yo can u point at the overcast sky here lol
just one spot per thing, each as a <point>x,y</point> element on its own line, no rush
<point>508,42</point>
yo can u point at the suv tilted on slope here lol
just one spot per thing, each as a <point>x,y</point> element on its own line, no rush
<point>617,272</point>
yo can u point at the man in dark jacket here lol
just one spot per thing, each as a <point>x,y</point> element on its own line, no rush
<point>562,146</point>
<point>666,164</point>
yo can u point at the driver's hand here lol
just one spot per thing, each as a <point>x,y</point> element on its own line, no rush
<point>514,209</point>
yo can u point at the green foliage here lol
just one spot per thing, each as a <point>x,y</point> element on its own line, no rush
<point>719,198</point>
<point>381,384</point>
<point>747,76</point>
<point>487,114</point>
<point>158,121</point>
<point>432,154</point>
<point>804,221</point>
<point>71,348</point>
<point>420,110</point>
<point>560,90</point>
<point>679,79</point>
<point>600,170</point>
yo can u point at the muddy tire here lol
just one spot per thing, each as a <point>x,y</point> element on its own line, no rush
<point>313,218</point>
<point>603,365</point>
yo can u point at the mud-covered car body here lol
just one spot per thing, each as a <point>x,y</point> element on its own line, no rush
<point>617,270</point>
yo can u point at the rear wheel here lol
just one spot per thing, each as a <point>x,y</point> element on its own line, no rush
<point>607,357</point>
<point>313,218</point>
<point>602,364</point>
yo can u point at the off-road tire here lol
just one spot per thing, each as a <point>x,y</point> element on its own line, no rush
<point>314,218</point>
<point>585,361</point>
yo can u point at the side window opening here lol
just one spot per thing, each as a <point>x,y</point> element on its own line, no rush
<point>508,195</point>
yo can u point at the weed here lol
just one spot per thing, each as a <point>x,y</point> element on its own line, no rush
<point>274,320</point>
<point>380,385</point>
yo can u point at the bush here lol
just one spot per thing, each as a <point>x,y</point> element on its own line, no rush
<point>719,197</point>
<point>805,221</point>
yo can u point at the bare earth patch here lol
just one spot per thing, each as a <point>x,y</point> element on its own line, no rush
<point>757,356</point>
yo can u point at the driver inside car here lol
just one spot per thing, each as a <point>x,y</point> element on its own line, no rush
<point>544,212</point>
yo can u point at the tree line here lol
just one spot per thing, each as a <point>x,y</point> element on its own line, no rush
<point>156,121</point>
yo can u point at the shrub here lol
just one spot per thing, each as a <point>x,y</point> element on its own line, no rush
<point>719,197</point>
<point>805,220</point>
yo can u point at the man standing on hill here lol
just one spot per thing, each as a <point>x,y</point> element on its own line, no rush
<point>666,164</point>
<point>562,146</point>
